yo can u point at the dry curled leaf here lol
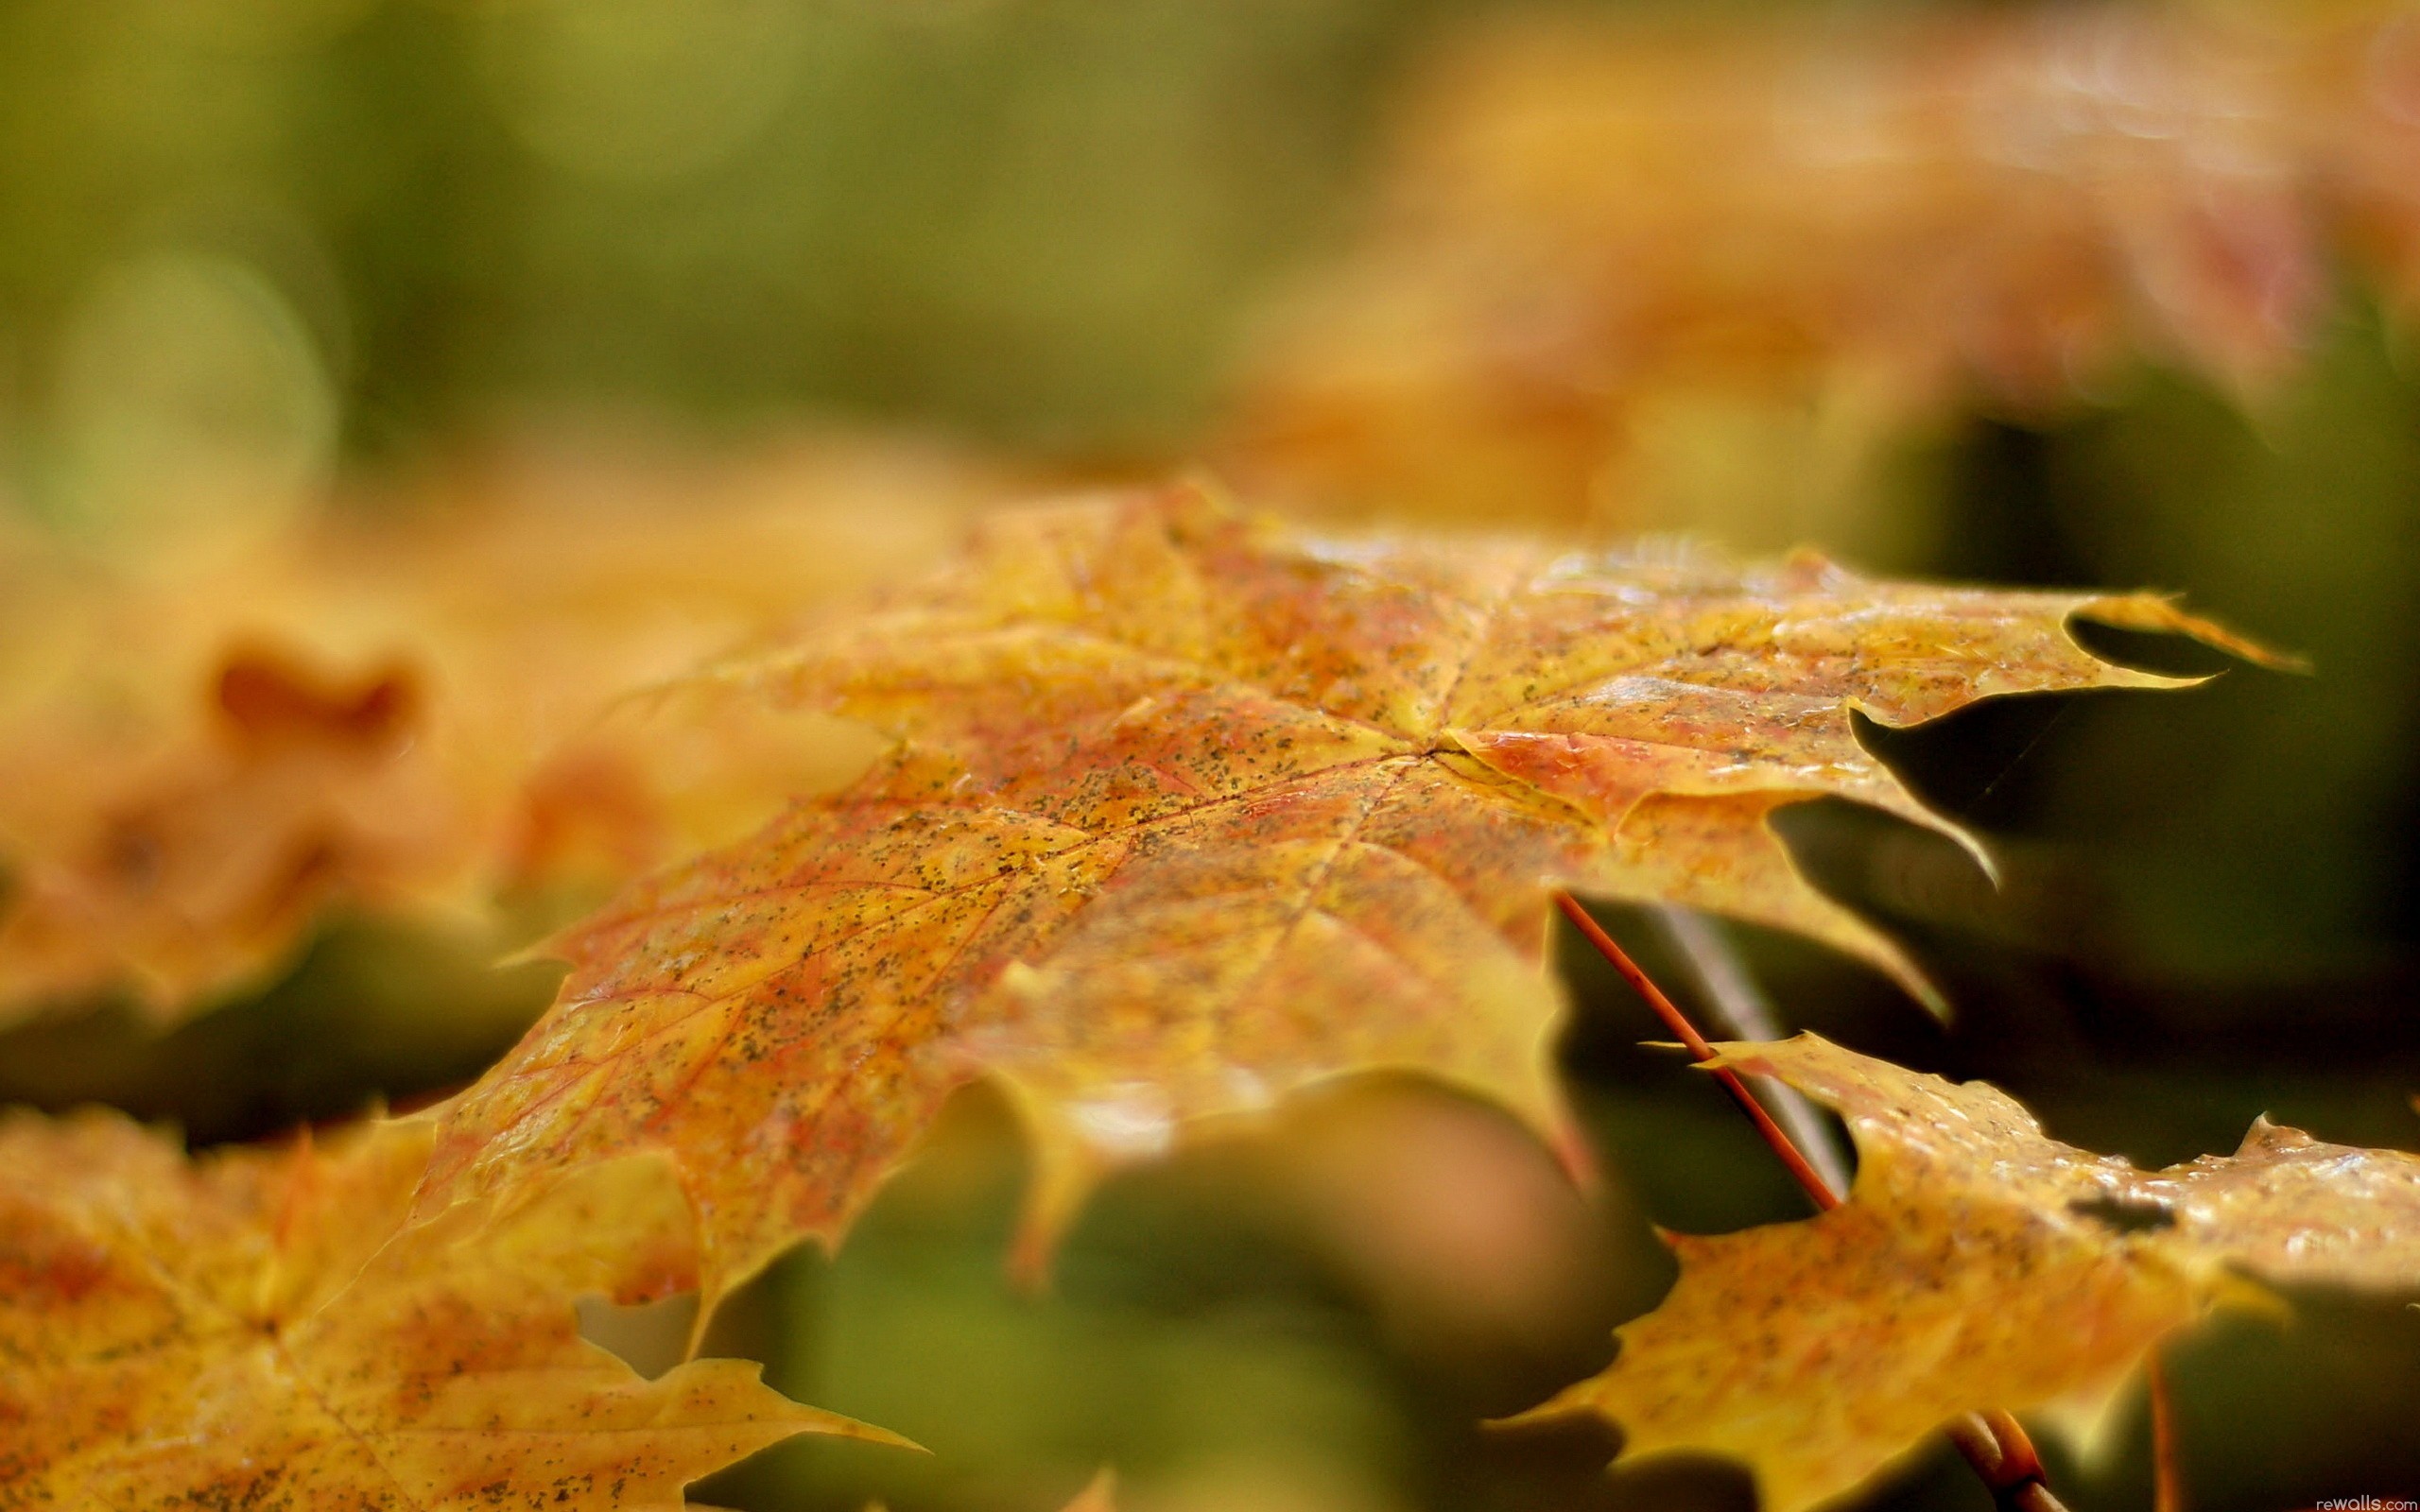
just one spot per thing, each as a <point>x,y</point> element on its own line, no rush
<point>1189,809</point>
<point>251,1329</point>
<point>1604,245</point>
<point>407,711</point>
<point>1977,1263</point>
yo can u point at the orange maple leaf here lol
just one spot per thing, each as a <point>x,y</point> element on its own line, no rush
<point>1190,810</point>
<point>407,712</point>
<point>1978,1265</point>
<point>1596,238</point>
<point>256,1330</point>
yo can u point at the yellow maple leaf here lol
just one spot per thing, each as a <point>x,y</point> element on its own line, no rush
<point>256,1330</point>
<point>1977,1264</point>
<point>1190,810</point>
<point>409,711</point>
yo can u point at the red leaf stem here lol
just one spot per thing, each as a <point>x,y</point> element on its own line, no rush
<point>1818,1190</point>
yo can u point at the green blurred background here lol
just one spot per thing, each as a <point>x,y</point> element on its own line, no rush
<point>1034,221</point>
<point>258,244</point>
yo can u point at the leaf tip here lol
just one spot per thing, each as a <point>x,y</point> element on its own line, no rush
<point>2159,613</point>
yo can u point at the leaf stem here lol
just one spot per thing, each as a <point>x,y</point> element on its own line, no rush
<point>1993,1444</point>
<point>1818,1190</point>
<point>2004,1458</point>
<point>1738,1008</point>
<point>2168,1488</point>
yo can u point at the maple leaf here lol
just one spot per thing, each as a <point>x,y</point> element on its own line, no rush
<point>408,711</point>
<point>1595,238</point>
<point>1190,810</point>
<point>1977,1264</point>
<point>253,1329</point>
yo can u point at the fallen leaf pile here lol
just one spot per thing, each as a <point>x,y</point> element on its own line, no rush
<point>1189,809</point>
<point>407,708</point>
<point>1977,1263</point>
<point>1604,245</point>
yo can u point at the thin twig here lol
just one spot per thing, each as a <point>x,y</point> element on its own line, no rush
<point>1993,1444</point>
<point>1742,1011</point>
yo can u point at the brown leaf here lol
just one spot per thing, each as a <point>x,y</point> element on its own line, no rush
<point>409,711</point>
<point>251,1329</point>
<point>1978,1265</point>
<point>1190,810</point>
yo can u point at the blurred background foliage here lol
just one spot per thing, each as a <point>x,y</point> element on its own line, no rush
<point>254,251</point>
<point>1035,221</point>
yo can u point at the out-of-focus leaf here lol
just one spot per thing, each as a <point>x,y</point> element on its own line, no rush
<point>1188,810</point>
<point>1100,1496</point>
<point>1978,1265</point>
<point>1604,245</point>
<point>407,709</point>
<point>256,1329</point>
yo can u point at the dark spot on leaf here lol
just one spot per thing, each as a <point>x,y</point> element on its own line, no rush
<point>2125,1215</point>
